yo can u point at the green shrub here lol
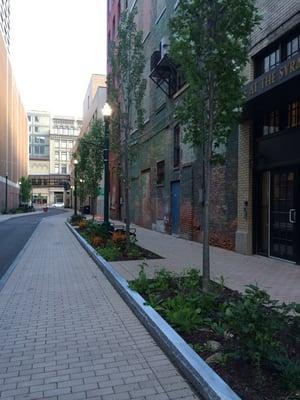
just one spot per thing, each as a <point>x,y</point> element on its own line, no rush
<point>182,315</point>
<point>133,251</point>
<point>110,253</point>
<point>258,322</point>
<point>163,280</point>
<point>141,283</point>
<point>95,229</point>
<point>75,219</point>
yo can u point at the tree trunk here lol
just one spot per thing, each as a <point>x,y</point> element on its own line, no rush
<point>126,191</point>
<point>93,207</point>
<point>206,195</point>
<point>206,192</point>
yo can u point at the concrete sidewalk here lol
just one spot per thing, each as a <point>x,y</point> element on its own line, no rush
<point>280,279</point>
<point>5,217</point>
<point>65,333</point>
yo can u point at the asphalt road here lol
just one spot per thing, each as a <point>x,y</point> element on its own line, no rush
<point>15,232</point>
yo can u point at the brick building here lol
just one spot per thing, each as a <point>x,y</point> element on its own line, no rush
<point>13,122</point>
<point>165,187</point>
<point>255,194</point>
<point>269,138</point>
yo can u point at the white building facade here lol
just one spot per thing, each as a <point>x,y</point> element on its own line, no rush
<point>51,142</point>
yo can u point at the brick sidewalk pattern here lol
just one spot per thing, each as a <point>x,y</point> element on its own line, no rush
<point>65,333</point>
<point>279,278</point>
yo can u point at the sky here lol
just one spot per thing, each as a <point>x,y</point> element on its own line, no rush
<point>55,47</point>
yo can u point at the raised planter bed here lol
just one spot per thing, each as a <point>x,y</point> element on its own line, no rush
<point>112,244</point>
<point>204,379</point>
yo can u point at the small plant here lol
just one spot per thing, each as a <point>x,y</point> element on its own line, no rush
<point>163,280</point>
<point>257,323</point>
<point>82,224</point>
<point>75,219</point>
<point>110,253</point>
<point>141,283</point>
<point>97,241</point>
<point>134,252</point>
<point>181,314</point>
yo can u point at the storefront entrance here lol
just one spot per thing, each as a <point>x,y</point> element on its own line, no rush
<point>278,200</point>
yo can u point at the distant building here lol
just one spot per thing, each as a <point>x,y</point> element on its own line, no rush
<point>51,140</point>
<point>93,103</point>
<point>13,123</point>
<point>5,21</point>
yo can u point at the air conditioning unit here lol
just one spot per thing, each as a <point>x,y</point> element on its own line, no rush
<point>164,46</point>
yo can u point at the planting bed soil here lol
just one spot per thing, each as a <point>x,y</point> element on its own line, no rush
<point>112,245</point>
<point>251,341</point>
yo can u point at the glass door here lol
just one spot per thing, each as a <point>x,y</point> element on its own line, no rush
<point>283,214</point>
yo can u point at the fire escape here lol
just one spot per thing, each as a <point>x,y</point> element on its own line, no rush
<point>164,72</point>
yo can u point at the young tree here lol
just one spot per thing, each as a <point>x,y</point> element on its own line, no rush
<point>210,42</point>
<point>128,63</point>
<point>25,189</point>
<point>90,166</point>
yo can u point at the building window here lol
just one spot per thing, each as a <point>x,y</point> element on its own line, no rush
<point>64,144</point>
<point>63,156</point>
<point>40,140</point>
<point>36,119</point>
<point>56,155</point>
<point>160,173</point>
<point>56,143</point>
<point>29,117</point>
<point>56,168</point>
<point>272,60</point>
<point>36,129</point>
<point>177,145</point>
<point>271,123</point>
<point>63,169</point>
<point>293,47</point>
<point>70,144</point>
<point>294,114</point>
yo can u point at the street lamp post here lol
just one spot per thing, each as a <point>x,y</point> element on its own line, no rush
<point>106,111</point>
<point>20,194</point>
<point>6,192</point>
<point>75,162</point>
<point>71,191</point>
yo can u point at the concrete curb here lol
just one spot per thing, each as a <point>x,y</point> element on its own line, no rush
<point>207,382</point>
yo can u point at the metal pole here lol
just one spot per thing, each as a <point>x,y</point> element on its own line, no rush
<point>75,192</point>
<point>6,193</point>
<point>106,171</point>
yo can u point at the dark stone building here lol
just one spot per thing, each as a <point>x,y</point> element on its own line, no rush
<point>269,138</point>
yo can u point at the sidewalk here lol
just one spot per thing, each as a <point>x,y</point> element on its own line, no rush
<point>280,279</point>
<point>5,217</point>
<point>65,333</point>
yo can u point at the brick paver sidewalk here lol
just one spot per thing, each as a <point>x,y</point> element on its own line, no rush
<point>66,334</point>
<point>281,279</point>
